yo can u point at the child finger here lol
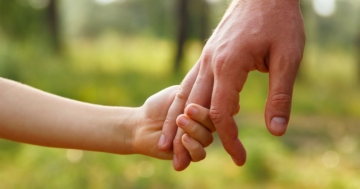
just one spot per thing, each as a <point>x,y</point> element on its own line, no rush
<point>201,115</point>
<point>195,130</point>
<point>195,149</point>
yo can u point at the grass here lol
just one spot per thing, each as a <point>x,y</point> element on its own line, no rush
<point>320,149</point>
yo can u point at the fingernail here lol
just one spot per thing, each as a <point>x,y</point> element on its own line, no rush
<point>278,124</point>
<point>162,140</point>
<point>183,121</point>
<point>192,111</point>
<point>187,138</point>
<point>235,161</point>
<point>175,162</point>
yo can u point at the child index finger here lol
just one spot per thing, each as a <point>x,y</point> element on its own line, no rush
<point>200,114</point>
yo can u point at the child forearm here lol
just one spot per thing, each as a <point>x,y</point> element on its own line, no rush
<point>31,116</point>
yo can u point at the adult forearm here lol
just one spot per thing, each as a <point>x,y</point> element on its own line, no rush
<point>32,116</point>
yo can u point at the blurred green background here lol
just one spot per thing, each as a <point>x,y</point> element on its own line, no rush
<point>119,52</point>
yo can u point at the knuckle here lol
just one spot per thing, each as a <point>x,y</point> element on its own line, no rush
<point>219,63</point>
<point>180,94</point>
<point>206,62</point>
<point>206,57</point>
<point>207,51</point>
<point>281,100</point>
<point>167,122</point>
<point>169,125</point>
<point>215,116</point>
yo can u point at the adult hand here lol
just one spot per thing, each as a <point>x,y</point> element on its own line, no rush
<point>262,35</point>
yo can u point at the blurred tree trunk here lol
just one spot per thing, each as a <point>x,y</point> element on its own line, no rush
<point>193,21</point>
<point>53,25</point>
<point>182,18</point>
<point>357,50</point>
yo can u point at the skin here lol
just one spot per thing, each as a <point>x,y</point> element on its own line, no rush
<point>32,116</point>
<point>267,36</point>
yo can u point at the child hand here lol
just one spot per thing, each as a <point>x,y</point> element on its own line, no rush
<point>151,117</point>
<point>199,128</point>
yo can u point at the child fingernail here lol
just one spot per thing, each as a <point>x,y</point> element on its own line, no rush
<point>162,140</point>
<point>183,121</point>
<point>175,162</point>
<point>186,138</point>
<point>192,111</point>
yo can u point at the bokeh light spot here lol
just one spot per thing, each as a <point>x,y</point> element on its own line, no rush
<point>74,156</point>
<point>331,159</point>
<point>145,169</point>
<point>324,8</point>
<point>105,2</point>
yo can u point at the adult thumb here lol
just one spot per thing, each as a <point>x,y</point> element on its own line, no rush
<point>282,73</point>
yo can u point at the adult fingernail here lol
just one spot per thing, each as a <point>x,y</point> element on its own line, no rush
<point>278,124</point>
<point>183,121</point>
<point>175,162</point>
<point>235,161</point>
<point>162,140</point>
<point>192,111</point>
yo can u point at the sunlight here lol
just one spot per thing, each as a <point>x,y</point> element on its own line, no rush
<point>104,2</point>
<point>213,1</point>
<point>324,8</point>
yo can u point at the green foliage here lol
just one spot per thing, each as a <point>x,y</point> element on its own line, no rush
<point>115,70</point>
<point>146,17</point>
<point>99,65</point>
<point>19,21</point>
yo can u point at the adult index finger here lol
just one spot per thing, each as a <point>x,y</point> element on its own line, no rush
<point>177,107</point>
<point>221,113</point>
<point>228,82</point>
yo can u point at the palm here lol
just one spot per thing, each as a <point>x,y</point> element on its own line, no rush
<point>148,130</point>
